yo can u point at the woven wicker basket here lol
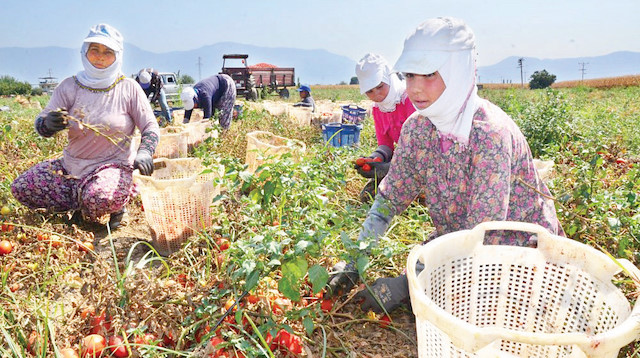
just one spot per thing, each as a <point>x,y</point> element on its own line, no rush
<point>263,147</point>
<point>177,201</point>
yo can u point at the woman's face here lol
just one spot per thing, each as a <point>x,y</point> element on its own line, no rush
<point>378,93</point>
<point>100,56</point>
<point>424,90</point>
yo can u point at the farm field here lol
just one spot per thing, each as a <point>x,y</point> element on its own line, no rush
<point>275,235</point>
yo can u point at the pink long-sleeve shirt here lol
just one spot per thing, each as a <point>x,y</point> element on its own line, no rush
<point>115,113</point>
<point>389,124</point>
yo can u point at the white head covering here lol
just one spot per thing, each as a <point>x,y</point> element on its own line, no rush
<point>188,96</point>
<point>144,77</point>
<point>445,45</point>
<point>372,70</point>
<point>101,77</point>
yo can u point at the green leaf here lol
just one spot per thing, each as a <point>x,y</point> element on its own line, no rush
<point>268,188</point>
<point>252,280</point>
<point>307,322</point>
<point>362,264</point>
<point>255,196</point>
<point>288,286</point>
<point>292,272</point>
<point>318,276</point>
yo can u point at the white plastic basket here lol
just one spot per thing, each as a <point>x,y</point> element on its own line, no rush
<point>177,200</point>
<point>556,300</point>
<point>173,143</point>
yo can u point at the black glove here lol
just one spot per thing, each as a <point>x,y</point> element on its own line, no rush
<point>55,121</point>
<point>392,292</point>
<point>377,170</point>
<point>343,277</point>
<point>143,162</point>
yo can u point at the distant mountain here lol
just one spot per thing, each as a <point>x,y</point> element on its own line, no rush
<point>566,69</point>
<point>311,66</point>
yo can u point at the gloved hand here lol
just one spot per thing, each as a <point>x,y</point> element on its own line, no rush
<point>343,277</point>
<point>392,292</point>
<point>55,121</point>
<point>373,169</point>
<point>143,162</point>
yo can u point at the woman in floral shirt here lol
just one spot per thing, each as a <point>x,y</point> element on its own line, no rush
<point>467,155</point>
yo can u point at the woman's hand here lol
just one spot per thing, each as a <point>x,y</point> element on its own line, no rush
<point>56,121</point>
<point>143,162</point>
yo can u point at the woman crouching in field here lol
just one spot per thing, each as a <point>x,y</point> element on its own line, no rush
<point>101,108</point>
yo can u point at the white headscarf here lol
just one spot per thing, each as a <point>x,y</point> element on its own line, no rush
<point>101,77</point>
<point>452,113</point>
<point>397,88</point>
<point>372,70</point>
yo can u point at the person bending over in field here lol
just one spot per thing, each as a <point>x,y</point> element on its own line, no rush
<point>306,100</point>
<point>101,108</point>
<point>151,83</point>
<point>391,109</point>
<point>466,154</point>
<point>215,92</point>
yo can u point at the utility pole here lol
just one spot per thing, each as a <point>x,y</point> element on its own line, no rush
<point>520,64</point>
<point>199,68</point>
<point>583,70</point>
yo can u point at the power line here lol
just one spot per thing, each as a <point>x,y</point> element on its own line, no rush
<point>583,70</point>
<point>199,68</point>
<point>521,65</point>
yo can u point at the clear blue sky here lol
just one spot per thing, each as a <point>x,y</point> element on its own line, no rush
<point>534,28</point>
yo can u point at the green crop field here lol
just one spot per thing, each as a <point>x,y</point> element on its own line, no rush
<point>277,232</point>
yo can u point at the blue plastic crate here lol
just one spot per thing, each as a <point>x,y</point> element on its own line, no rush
<point>353,114</point>
<point>341,134</point>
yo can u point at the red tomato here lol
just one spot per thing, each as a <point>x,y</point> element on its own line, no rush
<point>360,162</point>
<point>100,324</point>
<point>93,345</point>
<point>253,299</point>
<point>384,321</point>
<point>33,342</point>
<point>366,167</point>
<point>147,338</point>
<point>6,227</point>
<point>223,244</point>
<point>117,347</point>
<point>69,353</point>
<point>275,223</point>
<point>5,247</point>
<point>377,159</point>
<point>201,332</point>
<point>326,305</point>
<point>216,341</point>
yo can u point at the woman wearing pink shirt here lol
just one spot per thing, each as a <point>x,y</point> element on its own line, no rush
<point>391,109</point>
<point>101,108</point>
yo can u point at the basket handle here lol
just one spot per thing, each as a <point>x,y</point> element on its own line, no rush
<point>479,230</point>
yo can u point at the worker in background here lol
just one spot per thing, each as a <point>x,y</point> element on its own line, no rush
<point>152,85</point>
<point>305,98</point>
<point>391,109</point>
<point>215,92</point>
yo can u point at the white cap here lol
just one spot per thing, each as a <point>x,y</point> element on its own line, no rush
<point>429,46</point>
<point>370,71</point>
<point>187,96</point>
<point>144,77</point>
<point>107,35</point>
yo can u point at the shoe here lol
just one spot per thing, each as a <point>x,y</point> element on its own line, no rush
<point>116,219</point>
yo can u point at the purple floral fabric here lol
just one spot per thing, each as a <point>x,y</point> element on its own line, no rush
<point>47,185</point>
<point>491,178</point>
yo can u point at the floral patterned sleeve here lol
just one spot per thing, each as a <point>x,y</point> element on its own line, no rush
<point>489,177</point>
